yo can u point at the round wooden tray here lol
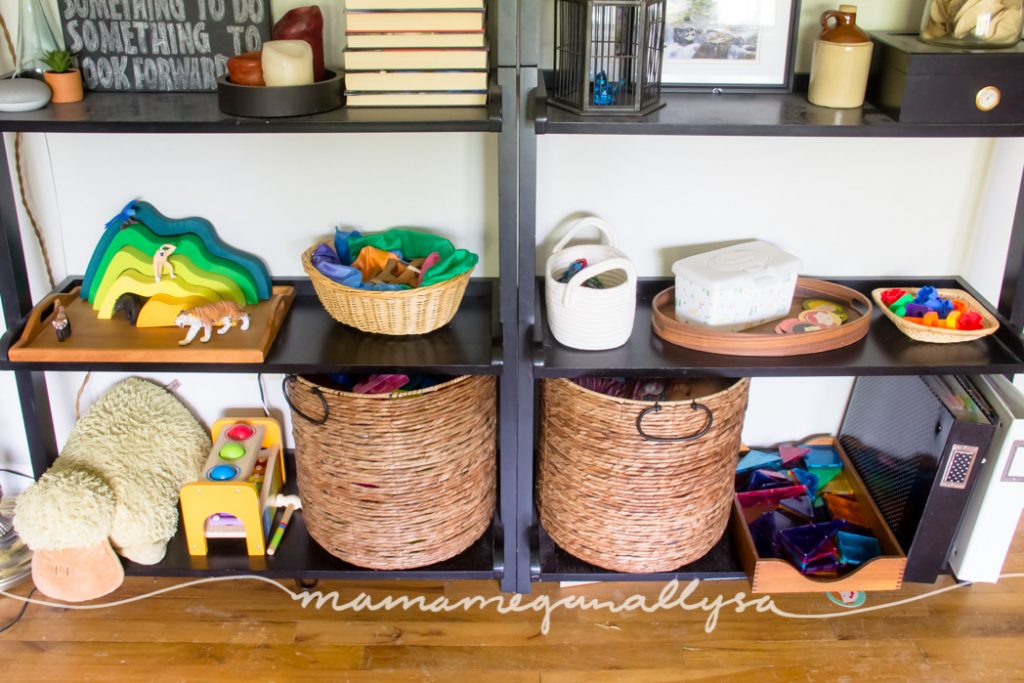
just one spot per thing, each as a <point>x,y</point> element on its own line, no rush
<point>762,340</point>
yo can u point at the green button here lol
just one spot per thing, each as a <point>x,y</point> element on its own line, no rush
<point>232,451</point>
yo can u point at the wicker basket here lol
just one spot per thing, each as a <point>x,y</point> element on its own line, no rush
<point>940,335</point>
<point>395,481</point>
<point>407,311</point>
<point>637,486</point>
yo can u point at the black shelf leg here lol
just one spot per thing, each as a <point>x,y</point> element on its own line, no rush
<point>507,246</point>
<point>16,298</point>
<point>527,283</point>
<point>1011,295</point>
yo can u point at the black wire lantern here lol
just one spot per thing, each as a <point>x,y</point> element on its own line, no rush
<point>608,56</point>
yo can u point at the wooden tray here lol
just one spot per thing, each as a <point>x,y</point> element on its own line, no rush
<point>771,575</point>
<point>115,341</point>
<point>762,340</point>
<point>939,335</point>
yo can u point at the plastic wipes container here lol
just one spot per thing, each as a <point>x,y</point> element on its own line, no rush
<point>735,288</point>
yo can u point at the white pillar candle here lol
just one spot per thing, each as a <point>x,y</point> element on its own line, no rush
<point>287,62</point>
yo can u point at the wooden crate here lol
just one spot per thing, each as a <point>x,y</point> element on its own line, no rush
<point>771,575</point>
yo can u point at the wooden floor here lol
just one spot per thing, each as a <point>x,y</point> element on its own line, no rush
<point>252,631</point>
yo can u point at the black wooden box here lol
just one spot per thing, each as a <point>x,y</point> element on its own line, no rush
<point>915,82</point>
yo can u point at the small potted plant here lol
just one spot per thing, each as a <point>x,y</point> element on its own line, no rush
<point>64,81</point>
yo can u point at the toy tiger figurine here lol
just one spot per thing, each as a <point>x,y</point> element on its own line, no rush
<point>223,313</point>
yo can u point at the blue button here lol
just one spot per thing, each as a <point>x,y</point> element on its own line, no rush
<point>222,473</point>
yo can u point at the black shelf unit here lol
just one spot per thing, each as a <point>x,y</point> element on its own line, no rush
<point>310,341</point>
<point>744,114</point>
<point>721,563</point>
<point>300,557</point>
<point>500,328</point>
<point>199,113</point>
<point>884,351</point>
<point>475,342</point>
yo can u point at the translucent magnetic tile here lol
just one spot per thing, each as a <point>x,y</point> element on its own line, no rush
<point>856,549</point>
<point>801,476</point>
<point>799,506</point>
<point>769,496</point>
<point>754,460</point>
<point>755,510</point>
<point>822,456</point>
<point>791,455</point>
<point>803,543</point>
<point>763,532</point>
<point>844,508</point>
<point>840,486</point>
<point>768,479</point>
<point>826,475</point>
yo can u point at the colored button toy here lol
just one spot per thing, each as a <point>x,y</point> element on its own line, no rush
<point>222,473</point>
<point>231,451</point>
<point>240,432</point>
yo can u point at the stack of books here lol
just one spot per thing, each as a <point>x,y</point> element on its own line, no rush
<point>415,53</point>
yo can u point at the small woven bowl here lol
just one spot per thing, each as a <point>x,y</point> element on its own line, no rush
<point>940,335</point>
<point>399,312</point>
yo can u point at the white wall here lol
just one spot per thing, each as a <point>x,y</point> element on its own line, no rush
<point>844,206</point>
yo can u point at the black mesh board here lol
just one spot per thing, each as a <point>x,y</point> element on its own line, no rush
<point>918,461</point>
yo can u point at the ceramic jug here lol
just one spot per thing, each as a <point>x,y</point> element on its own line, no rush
<point>840,61</point>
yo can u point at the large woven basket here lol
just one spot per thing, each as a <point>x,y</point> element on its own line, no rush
<point>612,496</point>
<point>407,311</point>
<point>395,481</point>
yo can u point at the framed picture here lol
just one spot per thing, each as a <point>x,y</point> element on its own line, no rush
<point>731,45</point>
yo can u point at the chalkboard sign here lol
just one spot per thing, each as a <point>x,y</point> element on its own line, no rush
<point>161,45</point>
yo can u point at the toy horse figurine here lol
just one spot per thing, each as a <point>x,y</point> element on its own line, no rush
<point>61,324</point>
<point>129,304</point>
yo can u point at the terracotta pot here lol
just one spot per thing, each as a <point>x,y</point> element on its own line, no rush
<point>66,86</point>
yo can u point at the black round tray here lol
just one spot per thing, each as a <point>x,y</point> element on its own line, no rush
<point>288,100</point>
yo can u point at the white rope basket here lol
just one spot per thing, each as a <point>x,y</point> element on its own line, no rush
<point>583,317</point>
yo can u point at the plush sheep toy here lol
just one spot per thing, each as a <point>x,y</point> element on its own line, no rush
<point>114,487</point>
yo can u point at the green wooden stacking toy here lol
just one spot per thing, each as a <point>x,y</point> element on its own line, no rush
<point>172,264</point>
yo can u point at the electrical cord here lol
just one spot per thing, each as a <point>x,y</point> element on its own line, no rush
<point>263,397</point>
<point>19,615</point>
<point>21,179</point>
<point>20,474</point>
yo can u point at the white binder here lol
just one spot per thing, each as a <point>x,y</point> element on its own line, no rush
<point>994,509</point>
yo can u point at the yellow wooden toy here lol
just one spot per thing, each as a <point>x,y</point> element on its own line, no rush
<point>236,496</point>
<point>161,310</point>
<point>134,282</point>
<point>131,259</point>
